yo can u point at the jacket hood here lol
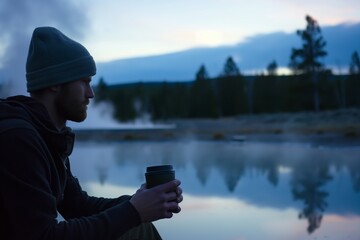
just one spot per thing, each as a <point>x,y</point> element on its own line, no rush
<point>26,108</point>
<point>34,112</point>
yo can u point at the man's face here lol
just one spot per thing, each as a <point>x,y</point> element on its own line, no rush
<point>73,98</point>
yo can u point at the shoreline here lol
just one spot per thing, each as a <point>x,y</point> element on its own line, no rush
<point>331,127</point>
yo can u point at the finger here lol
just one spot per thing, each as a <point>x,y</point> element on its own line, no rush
<point>179,199</point>
<point>179,191</point>
<point>170,196</point>
<point>177,210</point>
<point>169,186</point>
<point>173,207</point>
<point>169,214</point>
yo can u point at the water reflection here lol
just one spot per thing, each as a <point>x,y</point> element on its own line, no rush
<point>102,173</point>
<point>308,180</point>
<point>354,168</point>
<point>314,181</point>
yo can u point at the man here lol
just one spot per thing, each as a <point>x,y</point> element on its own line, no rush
<point>35,176</point>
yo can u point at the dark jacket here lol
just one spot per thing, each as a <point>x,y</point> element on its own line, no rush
<point>36,182</point>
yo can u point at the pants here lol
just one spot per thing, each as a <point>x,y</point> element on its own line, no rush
<point>145,231</point>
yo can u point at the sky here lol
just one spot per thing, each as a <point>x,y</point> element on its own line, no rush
<point>118,29</point>
<point>122,29</point>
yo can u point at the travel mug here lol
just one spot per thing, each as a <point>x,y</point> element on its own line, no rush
<point>156,175</point>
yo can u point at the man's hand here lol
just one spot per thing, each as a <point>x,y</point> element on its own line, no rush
<point>158,202</point>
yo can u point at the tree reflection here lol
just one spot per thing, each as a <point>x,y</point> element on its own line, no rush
<point>102,171</point>
<point>354,169</point>
<point>233,163</point>
<point>202,172</point>
<point>232,171</point>
<point>269,166</point>
<point>308,179</point>
<point>203,162</point>
<point>309,168</point>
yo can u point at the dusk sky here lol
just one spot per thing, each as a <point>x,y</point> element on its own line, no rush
<point>120,29</point>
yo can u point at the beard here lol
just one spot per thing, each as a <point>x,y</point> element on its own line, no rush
<point>72,109</point>
<point>77,115</point>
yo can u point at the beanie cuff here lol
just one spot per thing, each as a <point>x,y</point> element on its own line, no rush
<point>61,73</point>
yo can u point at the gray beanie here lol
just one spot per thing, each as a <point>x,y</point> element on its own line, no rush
<point>55,59</point>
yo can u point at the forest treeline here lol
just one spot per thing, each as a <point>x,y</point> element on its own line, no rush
<point>310,87</point>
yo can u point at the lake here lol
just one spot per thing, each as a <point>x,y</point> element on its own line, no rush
<point>237,191</point>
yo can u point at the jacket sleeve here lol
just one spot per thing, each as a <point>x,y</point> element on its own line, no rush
<point>29,208</point>
<point>77,203</point>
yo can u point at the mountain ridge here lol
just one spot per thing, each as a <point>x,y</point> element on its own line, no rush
<point>252,56</point>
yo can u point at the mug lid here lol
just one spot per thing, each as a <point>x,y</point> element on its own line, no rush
<point>159,168</point>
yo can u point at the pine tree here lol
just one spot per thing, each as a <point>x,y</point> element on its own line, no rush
<point>230,68</point>
<point>272,68</point>
<point>202,97</point>
<point>353,82</point>
<point>202,73</point>
<point>101,91</point>
<point>230,90</point>
<point>306,60</point>
<point>355,64</point>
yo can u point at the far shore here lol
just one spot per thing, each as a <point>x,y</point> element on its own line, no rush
<point>331,127</point>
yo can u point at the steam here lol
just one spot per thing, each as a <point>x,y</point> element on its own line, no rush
<point>100,116</point>
<point>17,21</point>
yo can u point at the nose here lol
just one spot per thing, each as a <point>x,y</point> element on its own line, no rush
<point>89,92</point>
